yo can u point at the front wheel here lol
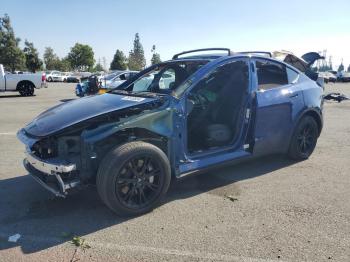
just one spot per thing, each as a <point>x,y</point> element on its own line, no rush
<point>304,139</point>
<point>133,178</point>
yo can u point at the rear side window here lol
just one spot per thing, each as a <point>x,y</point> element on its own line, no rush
<point>292,76</point>
<point>271,74</point>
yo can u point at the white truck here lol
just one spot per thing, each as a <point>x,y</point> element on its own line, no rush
<point>22,83</point>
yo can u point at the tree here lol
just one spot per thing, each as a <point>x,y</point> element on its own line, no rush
<point>81,57</point>
<point>119,61</point>
<point>341,67</point>
<point>51,60</point>
<point>63,65</point>
<point>104,63</point>
<point>330,66</point>
<point>98,68</point>
<point>33,62</point>
<point>11,56</point>
<point>155,56</point>
<point>137,59</point>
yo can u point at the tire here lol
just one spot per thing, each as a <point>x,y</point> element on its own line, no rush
<point>26,89</point>
<point>304,139</point>
<point>133,178</point>
<point>49,79</point>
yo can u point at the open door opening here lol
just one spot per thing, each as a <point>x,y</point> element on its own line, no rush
<point>215,107</point>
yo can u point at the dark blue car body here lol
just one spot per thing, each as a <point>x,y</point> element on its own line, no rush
<point>95,125</point>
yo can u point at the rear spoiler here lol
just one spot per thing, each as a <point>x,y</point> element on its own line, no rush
<point>311,57</point>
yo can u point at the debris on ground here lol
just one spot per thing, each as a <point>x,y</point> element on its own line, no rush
<point>231,198</point>
<point>14,238</point>
<point>80,242</point>
<point>336,97</point>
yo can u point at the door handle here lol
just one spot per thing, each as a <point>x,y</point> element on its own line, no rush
<point>294,96</point>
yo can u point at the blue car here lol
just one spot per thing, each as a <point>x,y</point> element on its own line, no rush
<point>175,118</point>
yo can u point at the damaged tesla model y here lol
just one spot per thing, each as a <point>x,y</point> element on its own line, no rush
<point>175,118</point>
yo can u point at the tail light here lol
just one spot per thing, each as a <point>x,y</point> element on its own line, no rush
<point>43,78</point>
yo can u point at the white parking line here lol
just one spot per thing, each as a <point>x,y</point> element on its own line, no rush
<point>8,134</point>
<point>180,253</point>
<point>145,249</point>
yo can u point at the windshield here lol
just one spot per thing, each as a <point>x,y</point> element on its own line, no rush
<point>165,78</point>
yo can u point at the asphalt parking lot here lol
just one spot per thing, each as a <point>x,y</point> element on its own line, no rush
<point>279,210</point>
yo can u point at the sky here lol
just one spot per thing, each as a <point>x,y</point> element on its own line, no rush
<point>298,26</point>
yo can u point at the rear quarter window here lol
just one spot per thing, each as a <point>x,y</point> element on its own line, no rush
<point>271,74</point>
<point>292,76</point>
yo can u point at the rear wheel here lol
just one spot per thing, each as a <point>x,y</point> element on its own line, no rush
<point>26,89</point>
<point>304,139</point>
<point>133,178</point>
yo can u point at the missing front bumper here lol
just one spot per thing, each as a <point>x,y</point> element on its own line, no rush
<point>50,167</point>
<point>49,174</point>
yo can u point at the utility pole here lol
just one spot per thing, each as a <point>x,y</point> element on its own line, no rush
<point>104,64</point>
<point>318,64</point>
<point>330,64</point>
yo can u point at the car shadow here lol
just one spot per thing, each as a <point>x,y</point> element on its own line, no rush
<point>13,96</point>
<point>45,221</point>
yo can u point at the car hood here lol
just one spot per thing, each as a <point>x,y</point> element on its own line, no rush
<point>73,112</point>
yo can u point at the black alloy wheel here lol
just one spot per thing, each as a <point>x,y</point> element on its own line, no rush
<point>304,139</point>
<point>139,182</point>
<point>133,178</point>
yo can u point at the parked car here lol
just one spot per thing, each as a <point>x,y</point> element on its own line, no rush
<point>81,89</point>
<point>73,79</point>
<point>66,75</point>
<point>22,72</point>
<point>328,77</point>
<point>50,75</point>
<point>22,83</point>
<point>335,73</point>
<point>331,77</point>
<point>108,83</point>
<point>58,77</point>
<point>107,79</point>
<point>218,109</point>
<point>344,77</point>
<point>83,74</point>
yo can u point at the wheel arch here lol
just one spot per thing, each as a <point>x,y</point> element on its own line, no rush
<point>105,145</point>
<point>317,117</point>
<point>149,136</point>
<point>314,113</point>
